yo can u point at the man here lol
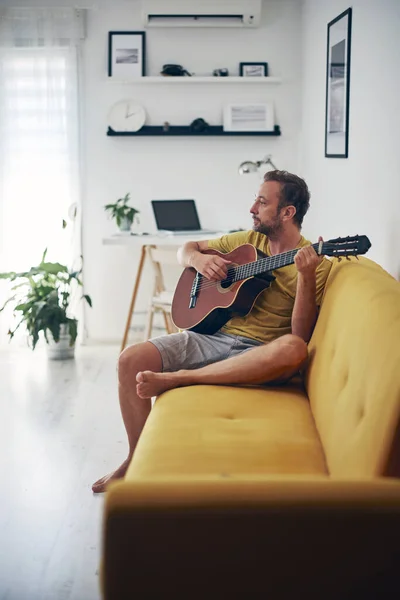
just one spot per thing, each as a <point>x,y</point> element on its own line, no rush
<point>268,345</point>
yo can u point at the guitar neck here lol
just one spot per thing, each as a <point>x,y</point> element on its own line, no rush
<point>269,263</point>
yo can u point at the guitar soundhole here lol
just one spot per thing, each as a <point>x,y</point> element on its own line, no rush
<point>227,283</point>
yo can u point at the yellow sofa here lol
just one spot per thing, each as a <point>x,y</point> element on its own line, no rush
<point>274,492</point>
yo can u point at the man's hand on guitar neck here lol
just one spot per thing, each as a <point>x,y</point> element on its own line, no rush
<point>307,261</point>
<point>305,310</point>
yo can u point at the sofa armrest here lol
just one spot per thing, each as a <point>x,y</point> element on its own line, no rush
<point>251,539</point>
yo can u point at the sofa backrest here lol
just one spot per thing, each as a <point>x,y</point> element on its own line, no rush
<point>353,377</point>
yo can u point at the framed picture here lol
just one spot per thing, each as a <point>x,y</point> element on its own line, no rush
<point>338,86</point>
<point>249,117</point>
<point>126,54</point>
<point>254,69</point>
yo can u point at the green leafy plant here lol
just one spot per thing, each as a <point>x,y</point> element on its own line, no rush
<point>120,210</point>
<point>41,296</point>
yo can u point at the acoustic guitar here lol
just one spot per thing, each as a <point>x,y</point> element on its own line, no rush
<point>205,306</point>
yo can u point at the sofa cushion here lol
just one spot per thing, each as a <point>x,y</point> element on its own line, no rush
<point>224,431</point>
<point>353,379</point>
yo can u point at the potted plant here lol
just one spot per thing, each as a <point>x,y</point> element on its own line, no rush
<point>123,214</point>
<point>41,298</point>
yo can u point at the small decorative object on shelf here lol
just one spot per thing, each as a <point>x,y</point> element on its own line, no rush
<point>175,71</point>
<point>126,54</point>
<point>123,214</point>
<point>220,73</point>
<point>166,126</point>
<point>254,69</point>
<point>249,117</point>
<point>199,125</point>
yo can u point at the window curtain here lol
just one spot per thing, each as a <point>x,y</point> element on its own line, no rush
<point>39,142</point>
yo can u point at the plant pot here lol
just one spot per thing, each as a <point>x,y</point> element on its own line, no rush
<point>61,350</point>
<point>125,224</point>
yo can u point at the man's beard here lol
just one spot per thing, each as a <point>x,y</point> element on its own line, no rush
<point>271,230</point>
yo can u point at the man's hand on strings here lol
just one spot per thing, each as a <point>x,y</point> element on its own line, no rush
<point>213,267</point>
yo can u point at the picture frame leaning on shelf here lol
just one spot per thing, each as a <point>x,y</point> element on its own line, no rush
<point>253,69</point>
<point>249,117</point>
<point>126,54</point>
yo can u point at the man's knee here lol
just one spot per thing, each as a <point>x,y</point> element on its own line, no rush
<point>126,362</point>
<point>295,349</point>
<point>139,357</point>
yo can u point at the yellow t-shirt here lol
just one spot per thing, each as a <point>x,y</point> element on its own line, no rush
<point>271,314</point>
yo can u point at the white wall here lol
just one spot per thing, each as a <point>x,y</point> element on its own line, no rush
<point>359,194</point>
<point>354,195</point>
<point>187,167</point>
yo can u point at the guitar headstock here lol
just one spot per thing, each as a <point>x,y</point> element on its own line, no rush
<point>348,246</point>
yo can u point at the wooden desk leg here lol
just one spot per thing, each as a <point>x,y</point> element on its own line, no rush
<point>134,294</point>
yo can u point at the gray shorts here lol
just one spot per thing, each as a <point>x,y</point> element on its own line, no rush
<point>190,350</point>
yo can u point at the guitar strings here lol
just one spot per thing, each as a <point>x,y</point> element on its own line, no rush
<point>275,260</point>
<point>247,267</point>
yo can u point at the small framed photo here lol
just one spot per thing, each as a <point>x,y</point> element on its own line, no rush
<point>254,69</point>
<point>126,54</point>
<point>249,117</point>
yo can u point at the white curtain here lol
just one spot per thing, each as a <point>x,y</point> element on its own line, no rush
<point>39,140</point>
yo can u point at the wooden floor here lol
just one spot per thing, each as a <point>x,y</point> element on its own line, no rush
<point>60,430</point>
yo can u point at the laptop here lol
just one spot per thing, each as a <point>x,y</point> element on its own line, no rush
<point>178,217</point>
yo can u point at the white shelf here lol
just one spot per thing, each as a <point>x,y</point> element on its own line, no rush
<point>198,79</point>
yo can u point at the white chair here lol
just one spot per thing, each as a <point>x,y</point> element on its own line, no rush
<point>161,298</point>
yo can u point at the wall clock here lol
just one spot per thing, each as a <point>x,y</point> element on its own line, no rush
<point>126,115</point>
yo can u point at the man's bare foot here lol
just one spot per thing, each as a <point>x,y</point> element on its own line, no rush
<point>151,384</point>
<point>101,485</point>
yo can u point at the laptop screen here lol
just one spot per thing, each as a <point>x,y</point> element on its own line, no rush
<point>176,215</point>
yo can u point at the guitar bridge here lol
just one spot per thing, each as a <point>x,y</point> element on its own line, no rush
<point>194,291</point>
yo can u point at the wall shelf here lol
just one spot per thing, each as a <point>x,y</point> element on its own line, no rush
<point>174,130</point>
<point>199,79</point>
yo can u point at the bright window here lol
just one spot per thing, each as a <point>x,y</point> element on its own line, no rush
<point>39,159</point>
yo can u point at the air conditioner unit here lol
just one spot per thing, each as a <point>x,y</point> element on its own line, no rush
<point>201,13</point>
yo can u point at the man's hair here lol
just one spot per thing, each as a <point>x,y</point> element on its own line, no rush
<point>294,192</point>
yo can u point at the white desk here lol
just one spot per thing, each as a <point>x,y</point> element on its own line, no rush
<point>156,239</point>
<point>143,241</point>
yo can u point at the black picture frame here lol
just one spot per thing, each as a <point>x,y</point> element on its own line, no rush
<point>337,100</point>
<point>126,54</point>
<point>263,72</point>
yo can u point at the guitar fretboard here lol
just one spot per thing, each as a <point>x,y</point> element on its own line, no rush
<point>263,265</point>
